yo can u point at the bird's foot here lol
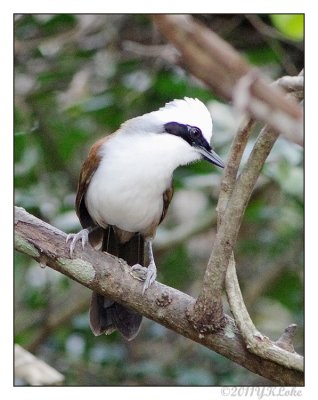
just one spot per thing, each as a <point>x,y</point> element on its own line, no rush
<point>148,275</point>
<point>138,272</point>
<point>75,237</point>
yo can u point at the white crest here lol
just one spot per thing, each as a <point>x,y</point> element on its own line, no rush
<point>185,111</point>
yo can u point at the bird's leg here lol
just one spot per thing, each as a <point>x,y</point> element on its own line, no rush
<point>81,235</point>
<point>146,274</point>
<point>152,269</point>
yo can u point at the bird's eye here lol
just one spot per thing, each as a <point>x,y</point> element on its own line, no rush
<point>195,132</point>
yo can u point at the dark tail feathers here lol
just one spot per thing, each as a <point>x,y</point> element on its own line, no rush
<point>105,315</point>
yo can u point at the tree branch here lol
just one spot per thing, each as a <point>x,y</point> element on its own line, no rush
<point>211,59</point>
<point>255,341</point>
<point>242,318</point>
<point>230,172</point>
<point>207,314</point>
<point>222,68</point>
<point>110,276</point>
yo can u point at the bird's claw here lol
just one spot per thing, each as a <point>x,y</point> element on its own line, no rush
<point>148,275</point>
<point>75,237</point>
<point>138,272</point>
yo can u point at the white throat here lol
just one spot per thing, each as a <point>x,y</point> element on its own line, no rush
<point>137,164</point>
<point>135,170</point>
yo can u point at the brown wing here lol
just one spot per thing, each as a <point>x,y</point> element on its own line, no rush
<point>88,169</point>
<point>167,196</point>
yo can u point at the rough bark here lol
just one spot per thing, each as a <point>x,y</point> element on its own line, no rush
<point>111,276</point>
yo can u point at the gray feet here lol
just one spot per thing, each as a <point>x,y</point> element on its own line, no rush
<point>75,237</point>
<point>148,275</point>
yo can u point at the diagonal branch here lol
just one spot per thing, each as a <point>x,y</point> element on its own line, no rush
<point>207,314</point>
<point>221,67</point>
<point>255,341</point>
<point>230,172</point>
<point>215,62</point>
<point>110,276</point>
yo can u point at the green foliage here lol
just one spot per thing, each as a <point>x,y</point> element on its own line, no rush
<point>290,25</point>
<point>176,266</point>
<point>74,82</point>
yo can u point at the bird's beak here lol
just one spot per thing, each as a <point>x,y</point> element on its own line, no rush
<point>211,156</point>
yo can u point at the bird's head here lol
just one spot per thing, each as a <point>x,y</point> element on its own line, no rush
<point>188,119</point>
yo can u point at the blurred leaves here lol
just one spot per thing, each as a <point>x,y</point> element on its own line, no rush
<point>75,82</point>
<point>291,25</point>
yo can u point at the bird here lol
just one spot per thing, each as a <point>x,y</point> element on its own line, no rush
<point>124,191</point>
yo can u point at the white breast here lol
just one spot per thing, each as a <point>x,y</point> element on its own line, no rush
<point>135,170</point>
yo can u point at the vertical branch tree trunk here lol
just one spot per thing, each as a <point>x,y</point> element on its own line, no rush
<point>207,314</point>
